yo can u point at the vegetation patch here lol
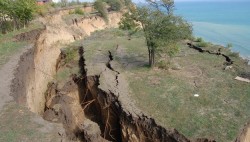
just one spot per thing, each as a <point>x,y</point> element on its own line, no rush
<point>10,46</point>
<point>18,124</point>
<point>77,11</point>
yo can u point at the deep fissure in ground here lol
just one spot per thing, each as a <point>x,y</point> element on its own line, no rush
<point>101,116</point>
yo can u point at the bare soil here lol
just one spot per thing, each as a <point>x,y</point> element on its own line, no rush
<point>7,75</point>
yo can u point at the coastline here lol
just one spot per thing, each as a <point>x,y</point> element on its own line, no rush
<point>219,22</point>
<point>219,34</point>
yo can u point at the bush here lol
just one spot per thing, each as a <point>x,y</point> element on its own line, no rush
<point>163,65</point>
<point>199,39</point>
<point>202,44</point>
<point>128,2</point>
<point>79,11</point>
<point>6,26</point>
<point>115,5</point>
<point>192,38</point>
<point>229,45</point>
<point>234,54</point>
<point>100,7</point>
<point>42,10</point>
<point>53,4</point>
<point>71,12</point>
<point>85,4</point>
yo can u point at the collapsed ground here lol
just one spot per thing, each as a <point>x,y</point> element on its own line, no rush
<point>167,93</point>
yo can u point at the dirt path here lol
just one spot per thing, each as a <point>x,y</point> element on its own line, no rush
<point>22,120</point>
<point>6,75</point>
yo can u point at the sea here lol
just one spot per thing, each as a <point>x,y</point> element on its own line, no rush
<point>219,22</point>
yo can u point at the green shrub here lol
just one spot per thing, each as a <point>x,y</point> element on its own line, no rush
<point>115,5</point>
<point>70,54</point>
<point>53,4</point>
<point>128,2</point>
<point>6,26</point>
<point>100,7</point>
<point>192,38</point>
<point>163,65</point>
<point>229,45</point>
<point>202,44</point>
<point>42,10</point>
<point>199,39</point>
<point>234,54</point>
<point>79,11</point>
<point>71,12</point>
<point>85,4</point>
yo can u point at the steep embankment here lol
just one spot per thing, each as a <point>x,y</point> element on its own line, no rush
<point>39,64</point>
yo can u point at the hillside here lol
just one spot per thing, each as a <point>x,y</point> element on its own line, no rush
<point>90,82</point>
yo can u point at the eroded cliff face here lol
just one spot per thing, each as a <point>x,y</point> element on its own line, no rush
<point>41,61</point>
<point>94,23</point>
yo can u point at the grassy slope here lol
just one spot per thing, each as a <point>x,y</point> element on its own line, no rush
<point>8,45</point>
<point>220,110</point>
<point>17,124</point>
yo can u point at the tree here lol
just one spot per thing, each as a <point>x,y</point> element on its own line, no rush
<point>115,5</point>
<point>162,30</point>
<point>100,7</point>
<point>127,2</point>
<point>24,10</point>
<point>127,23</point>
<point>16,13</point>
<point>166,4</point>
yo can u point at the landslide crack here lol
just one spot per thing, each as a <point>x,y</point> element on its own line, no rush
<point>108,64</point>
<point>228,59</point>
<point>91,114</point>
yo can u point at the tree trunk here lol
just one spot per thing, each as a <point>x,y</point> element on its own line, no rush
<point>151,57</point>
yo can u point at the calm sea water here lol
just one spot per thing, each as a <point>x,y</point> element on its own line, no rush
<point>220,22</point>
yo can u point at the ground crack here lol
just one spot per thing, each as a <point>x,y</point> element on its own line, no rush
<point>228,59</point>
<point>108,64</point>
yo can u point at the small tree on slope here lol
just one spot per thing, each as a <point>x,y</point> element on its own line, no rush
<point>162,30</point>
